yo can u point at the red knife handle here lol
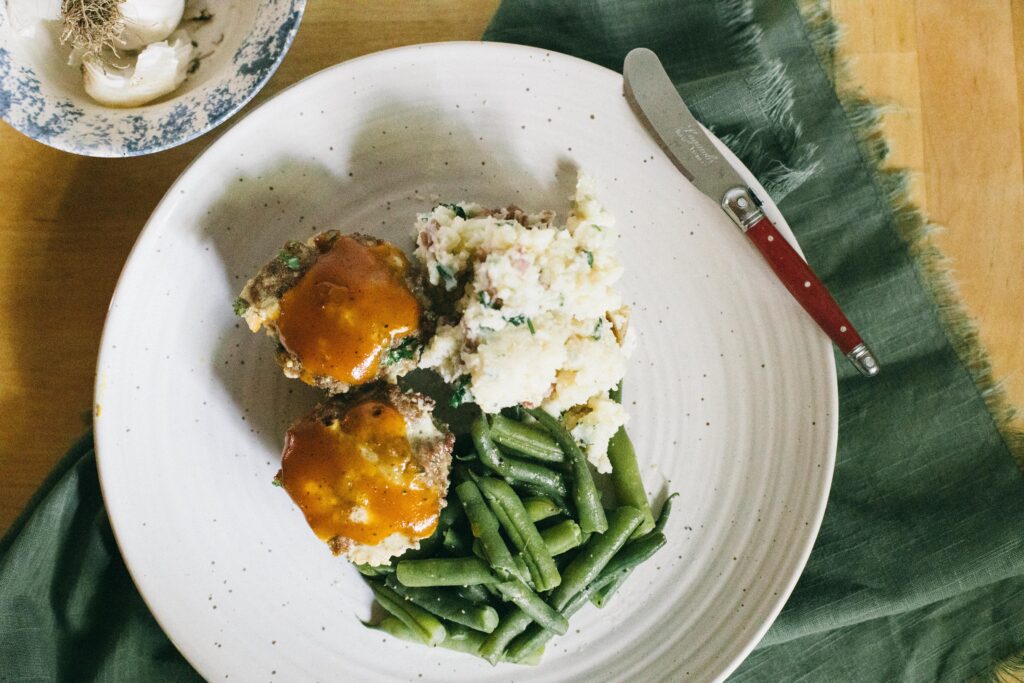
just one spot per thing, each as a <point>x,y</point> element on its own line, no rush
<point>804,285</point>
<point>743,207</point>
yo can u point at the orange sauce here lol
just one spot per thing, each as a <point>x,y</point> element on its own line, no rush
<point>348,309</point>
<point>356,477</point>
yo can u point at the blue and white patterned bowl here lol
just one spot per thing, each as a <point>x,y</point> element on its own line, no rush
<point>239,46</point>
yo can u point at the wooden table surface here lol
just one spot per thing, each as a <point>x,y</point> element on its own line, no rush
<point>67,222</point>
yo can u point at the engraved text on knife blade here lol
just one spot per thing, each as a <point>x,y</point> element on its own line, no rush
<point>695,142</point>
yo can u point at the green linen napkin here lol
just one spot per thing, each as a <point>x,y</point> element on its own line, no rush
<point>68,608</point>
<point>918,573</point>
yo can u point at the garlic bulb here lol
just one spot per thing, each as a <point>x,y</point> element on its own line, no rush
<point>148,21</point>
<point>134,81</point>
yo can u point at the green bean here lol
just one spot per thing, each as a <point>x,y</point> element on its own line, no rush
<point>526,565</point>
<point>524,569</point>
<point>526,439</point>
<point>504,520</point>
<point>663,514</point>
<point>510,626</point>
<point>374,570</point>
<point>462,640</point>
<point>602,596</point>
<point>621,566</point>
<point>459,639</point>
<point>476,594</point>
<point>540,508</point>
<point>518,593</point>
<point>584,491</point>
<point>456,542</point>
<point>395,627</point>
<point>617,572</point>
<point>447,604</point>
<point>425,624</point>
<point>456,571</point>
<point>484,527</point>
<point>498,511</point>
<point>598,551</point>
<point>631,555</point>
<point>531,474</point>
<point>626,480</point>
<point>634,553</point>
<point>532,659</point>
<point>562,537</point>
<point>529,491</point>
<point>524,535</point>
<point>513,413</point>
<point>450,516</point>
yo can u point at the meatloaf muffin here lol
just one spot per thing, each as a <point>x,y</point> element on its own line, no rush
<point>345,310</point>
<point>369,470</point>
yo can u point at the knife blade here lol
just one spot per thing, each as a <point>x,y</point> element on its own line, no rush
<point>652,93</point>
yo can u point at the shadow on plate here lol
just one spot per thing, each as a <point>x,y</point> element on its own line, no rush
<point>418,160</point>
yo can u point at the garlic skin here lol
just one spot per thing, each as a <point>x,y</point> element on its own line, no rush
<point>148,21</point>
<point>134,81</point>
<point>27,15</point>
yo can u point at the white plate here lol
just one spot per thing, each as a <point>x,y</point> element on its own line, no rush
<point>732,389</point>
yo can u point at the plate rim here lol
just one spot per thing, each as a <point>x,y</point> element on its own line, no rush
<point>830,376</point>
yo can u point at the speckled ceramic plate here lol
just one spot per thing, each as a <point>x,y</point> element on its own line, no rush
<point>239,45</point>
<point>732,389</point>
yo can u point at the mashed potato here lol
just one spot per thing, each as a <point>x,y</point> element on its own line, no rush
<point>539,321</point>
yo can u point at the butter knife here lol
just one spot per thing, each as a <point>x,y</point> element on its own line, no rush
<point>652,94</point>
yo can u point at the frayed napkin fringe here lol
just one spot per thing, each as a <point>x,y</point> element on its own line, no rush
<point>934,269</point>
<point>774,91</point>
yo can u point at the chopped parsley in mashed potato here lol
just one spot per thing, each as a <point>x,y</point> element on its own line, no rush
<point>539,321</point>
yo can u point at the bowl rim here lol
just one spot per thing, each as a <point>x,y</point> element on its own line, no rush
<point>65,143</point>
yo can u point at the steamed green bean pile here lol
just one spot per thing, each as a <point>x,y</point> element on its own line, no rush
<point>524,542</point>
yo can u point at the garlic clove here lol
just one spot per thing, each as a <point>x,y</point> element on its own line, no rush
<point>133,81</point>
<point>148,21</point>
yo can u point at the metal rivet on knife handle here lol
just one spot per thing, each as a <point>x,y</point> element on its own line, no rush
<point>743,207</point>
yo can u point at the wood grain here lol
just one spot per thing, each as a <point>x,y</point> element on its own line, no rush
<point>952,76</point>
<point>67,223</point>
